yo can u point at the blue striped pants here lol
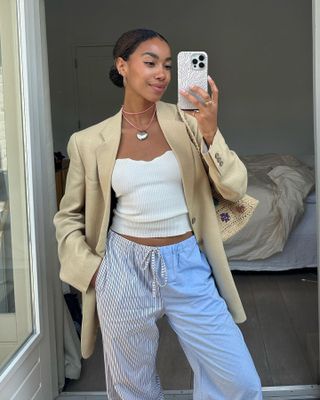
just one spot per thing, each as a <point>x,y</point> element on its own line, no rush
<point>135,286</point>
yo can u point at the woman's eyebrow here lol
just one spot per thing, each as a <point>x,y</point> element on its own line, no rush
<point>149,53</point>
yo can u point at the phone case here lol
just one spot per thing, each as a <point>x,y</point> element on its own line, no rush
<point>191,72</point>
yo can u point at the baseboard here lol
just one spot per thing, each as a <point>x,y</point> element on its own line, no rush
<point>298,392</point>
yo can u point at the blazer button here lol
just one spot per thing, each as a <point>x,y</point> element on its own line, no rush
<point>217,155</point>
<point>221,163</point>
<point>193,220</point>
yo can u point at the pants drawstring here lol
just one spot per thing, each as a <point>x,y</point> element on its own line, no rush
<point>154,254</point>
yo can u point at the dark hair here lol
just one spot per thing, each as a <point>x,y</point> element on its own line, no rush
<point>126,45</point>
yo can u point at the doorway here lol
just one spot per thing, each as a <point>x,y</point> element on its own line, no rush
<point>273,300</point>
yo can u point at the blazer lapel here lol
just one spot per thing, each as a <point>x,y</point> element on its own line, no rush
<point>177,136</point>
<point>106,153</point>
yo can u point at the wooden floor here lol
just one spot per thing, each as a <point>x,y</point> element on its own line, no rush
<point>281,333</point>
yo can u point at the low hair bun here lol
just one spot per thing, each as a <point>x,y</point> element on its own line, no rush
<point>115,77</point>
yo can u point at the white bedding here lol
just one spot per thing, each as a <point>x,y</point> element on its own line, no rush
<point>300,250</point>
<point>281,183</point>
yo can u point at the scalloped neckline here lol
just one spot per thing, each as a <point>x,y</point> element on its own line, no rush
<point>146,161</point>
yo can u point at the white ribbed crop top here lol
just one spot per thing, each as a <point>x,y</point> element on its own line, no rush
<point>150,198</point>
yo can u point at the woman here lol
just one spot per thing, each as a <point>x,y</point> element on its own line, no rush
<point>138,235</point>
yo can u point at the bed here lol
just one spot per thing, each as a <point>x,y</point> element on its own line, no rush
<point>282,234</point>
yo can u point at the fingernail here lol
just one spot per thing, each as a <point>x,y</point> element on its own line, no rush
<point>182,91</point>
<point>209,77</point>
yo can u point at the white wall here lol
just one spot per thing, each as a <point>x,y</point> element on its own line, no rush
<point>260,56</point>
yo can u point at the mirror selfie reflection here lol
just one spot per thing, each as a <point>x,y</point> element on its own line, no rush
<point>176,306</point>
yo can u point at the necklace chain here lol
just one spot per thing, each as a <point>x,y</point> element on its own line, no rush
<point>136,113</point>
<point>141,134</point>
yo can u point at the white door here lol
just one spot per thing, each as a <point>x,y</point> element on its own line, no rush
<point>25,362</point>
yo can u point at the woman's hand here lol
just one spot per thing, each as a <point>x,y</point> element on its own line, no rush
<point>206,113</point>
<point>93,280</point>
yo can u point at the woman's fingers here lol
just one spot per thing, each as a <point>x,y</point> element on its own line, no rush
<point>203,97</point>
<point>214,89</point>
<point>206,108</point>
<point>191,98</point>
<point>202,93</point>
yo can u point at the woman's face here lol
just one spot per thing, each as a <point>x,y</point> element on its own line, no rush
<point>148,70</point>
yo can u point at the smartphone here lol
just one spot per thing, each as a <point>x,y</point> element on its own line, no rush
<point>192,70</point>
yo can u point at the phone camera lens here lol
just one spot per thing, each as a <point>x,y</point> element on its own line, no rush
<point>201,57</point>
<point>194,61</point>
<point>201,65</point>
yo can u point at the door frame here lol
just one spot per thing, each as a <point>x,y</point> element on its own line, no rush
<point>32,371</point>
<point>33,54</point>
<point>316,118</point>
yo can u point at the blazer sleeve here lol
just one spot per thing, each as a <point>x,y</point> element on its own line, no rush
<point>77,259</point>
<point>225,170</point>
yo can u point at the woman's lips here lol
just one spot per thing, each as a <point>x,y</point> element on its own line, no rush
<point>158,88</point>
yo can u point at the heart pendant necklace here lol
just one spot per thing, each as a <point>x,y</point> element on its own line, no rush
<point>142,134</point>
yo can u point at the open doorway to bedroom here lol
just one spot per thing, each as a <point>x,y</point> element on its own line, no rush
<point>260,55</point>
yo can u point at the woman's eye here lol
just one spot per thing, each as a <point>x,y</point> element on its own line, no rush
<point>169,67</point>
<point>150,63</point>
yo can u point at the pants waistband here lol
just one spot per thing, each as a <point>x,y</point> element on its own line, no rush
<point>175,247</point>
<point>151,256</point>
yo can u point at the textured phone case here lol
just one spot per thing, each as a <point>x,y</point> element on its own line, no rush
<point>188,76</point>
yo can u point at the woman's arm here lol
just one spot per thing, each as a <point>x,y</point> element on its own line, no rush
<point>225,170</point>
<point>78,261</point>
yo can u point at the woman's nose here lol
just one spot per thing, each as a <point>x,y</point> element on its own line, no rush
<point>161,74</point>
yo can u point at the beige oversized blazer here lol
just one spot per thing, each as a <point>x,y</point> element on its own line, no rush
<point>86,208</point>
